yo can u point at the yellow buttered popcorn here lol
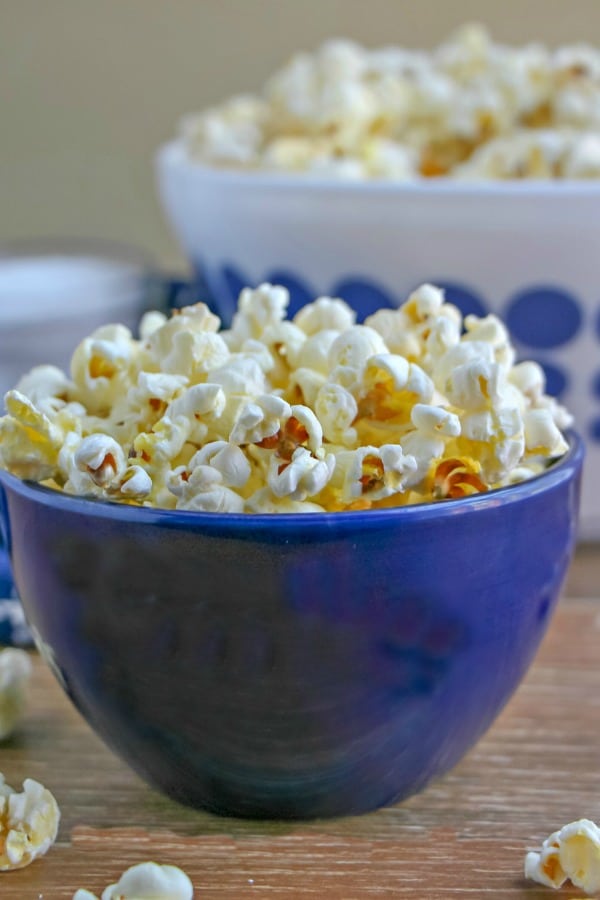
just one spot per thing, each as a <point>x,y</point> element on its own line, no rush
<point>312,414</point>
<point>28,823</point>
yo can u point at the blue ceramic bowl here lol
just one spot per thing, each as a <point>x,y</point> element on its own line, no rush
<point>293,665</point>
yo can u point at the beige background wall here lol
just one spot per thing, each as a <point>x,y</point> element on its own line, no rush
<point>89,88</point>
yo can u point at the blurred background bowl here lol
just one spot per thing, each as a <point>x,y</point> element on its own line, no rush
<point>55,292</point>
<point>526,251</point>
<point>293,665</point>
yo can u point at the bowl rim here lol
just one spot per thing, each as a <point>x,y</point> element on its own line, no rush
<point>564,469</point>
<point>172,156</point>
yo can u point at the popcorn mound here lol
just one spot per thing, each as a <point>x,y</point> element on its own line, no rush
<point>28,823</point>
<point>471,108</point>
<point>573,853</point>
<point>275,416</point>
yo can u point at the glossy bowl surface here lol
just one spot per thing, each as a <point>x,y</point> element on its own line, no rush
<point>293,665</point>
<point>523,250</point>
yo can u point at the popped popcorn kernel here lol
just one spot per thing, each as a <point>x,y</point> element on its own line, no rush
<point>319,414</point>
<point>146,881</point>
<point>300,477</point>
<point>325,314</point>
<point>457,477</point>
<point>572,853</point>
<point>101,457</point>
<point>15,672</point>
<point>28,823</point>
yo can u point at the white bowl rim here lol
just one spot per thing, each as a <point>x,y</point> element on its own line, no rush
<point>173,156</point>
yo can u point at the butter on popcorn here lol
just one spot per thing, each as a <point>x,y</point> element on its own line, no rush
<point>572,853</point>
<point>15,672</point>
<point>146,881</point>
<point>28,823</point>
<point>277,416</point>
<point>469,109</point>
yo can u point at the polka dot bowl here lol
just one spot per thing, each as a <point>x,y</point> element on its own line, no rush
<point>298,665</point>
<point>527,251</point>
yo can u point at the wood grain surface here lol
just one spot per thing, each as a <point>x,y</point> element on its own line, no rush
<point>464,837</point>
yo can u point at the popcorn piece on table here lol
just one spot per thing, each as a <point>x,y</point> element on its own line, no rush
<point>15,672</point>
<point>28,823</point>
<point>146,881</point>
<point>571,853</point>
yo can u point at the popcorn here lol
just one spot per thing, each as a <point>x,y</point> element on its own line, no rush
<point>232,133</point>
<point>146,881</point>
<point>314,352</point>
<point>150,322</point>
<point>100,366</point>
<point>354,346</point>
<point>470,109</point>
<point>227,459</point>
<point>323,315</point>
<point>541,434</point>
<point>135,483</point>
<point>101,457</point>
<point>303,476</point>
<point>572,853</point>
<point>371,473</point>
<point>266,305</point>
<point>272,416</point>
<point>259,419</point>
<point>304,385</point>
<point>264,501</point>
<point>475,384</point>
<point>435,420</point>
<point>336,409</point>
<point>29,441</point>
<point>15,671</point>
<point>46,387</point>
<point>203,491</point>
<point>28,823</point>
<point>185,343</point>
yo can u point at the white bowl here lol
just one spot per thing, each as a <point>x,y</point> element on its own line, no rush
<point>53,293</point>
<point>527,251</point>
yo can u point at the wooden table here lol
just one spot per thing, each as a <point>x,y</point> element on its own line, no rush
<point>465,836</point>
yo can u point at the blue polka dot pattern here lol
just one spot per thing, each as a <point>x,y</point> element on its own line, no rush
<point>594,430</point>
<point>544,317</point>
<point>595,385</point>
<point>364,296</point>
<point>235,281</point>
<point>467,300</point>
<point>557,380</point>
<point>180,293</point>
